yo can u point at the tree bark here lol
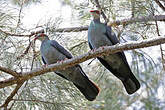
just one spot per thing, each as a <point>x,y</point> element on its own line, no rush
<point>79,59</point>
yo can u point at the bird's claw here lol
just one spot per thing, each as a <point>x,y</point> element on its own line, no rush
<point>93,50</point>
<point>102,47</point>
<point>61,61</point>
<point>45,65</point>
<point>117,43</point>
<point>65,59</point>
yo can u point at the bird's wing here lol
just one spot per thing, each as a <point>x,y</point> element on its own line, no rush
<point>112,37</point>
<point>43,60</point>
<point>61,49</point>
<point>104,62</point>
<point>60,75</point>
<point>90,46</point>
<point>66,53</point>
<point>55,71</point>
<point>82,72</point>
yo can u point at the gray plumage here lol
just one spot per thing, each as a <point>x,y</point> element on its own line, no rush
<point>52,51</point>
<point>99,35</point>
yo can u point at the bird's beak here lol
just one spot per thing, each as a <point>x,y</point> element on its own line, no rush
<point>40,36</point>
<point>95,11</point>
<point>36,36</point>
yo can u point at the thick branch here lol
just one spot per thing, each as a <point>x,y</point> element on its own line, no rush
<point>9,98</point>
<point>11,72</point>
<point>79,59</point>
<point>9,82</point>
<point>97,53</point>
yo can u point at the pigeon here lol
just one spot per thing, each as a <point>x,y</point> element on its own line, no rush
<point>99,35</point>
<point>52,52</point>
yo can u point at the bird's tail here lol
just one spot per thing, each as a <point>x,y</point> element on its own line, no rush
<point>131,84</point>
<point>90,90</point>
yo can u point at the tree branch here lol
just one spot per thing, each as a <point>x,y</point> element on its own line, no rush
<point>20,11</point>
<point>160,5</point>
<point>162,56</point>
<point>118,22</point>
<point>84,28</point>
<point>25,52</point>
<point>140,19</point>
<point>9,98</point>
<point>102,13</point>
<point>73,29</point>
<point>11,72</point>
<point>40,101</point>
<point>77,45</point>
<point>9,82</point>
<point>21,35</point>
<point>79,59</point>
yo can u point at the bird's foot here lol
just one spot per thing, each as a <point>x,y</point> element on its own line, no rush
<point>61,61</point>
<point>102,47</point>
<point>65,59</point>
<point>117,43</point>
<point>45,65</point>
<point>93,50</point>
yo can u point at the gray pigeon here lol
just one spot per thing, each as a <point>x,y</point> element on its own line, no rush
<point>99,35</point>
<point>52,51</point>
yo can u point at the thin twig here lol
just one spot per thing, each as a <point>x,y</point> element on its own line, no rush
<point>161,49</point>
<point>115,23</point>
<point>25,52</point>
<point>162,57</point>
<point>140,19</point>
<point>160,5</point>
<point>38,101</point>
<point>11,105</point>
<point>20,11</point>
<point>102,13</point>
<point>85,28</point>
<point>73,29</point>
<point>157,28</point>
<point>21,35</point>
<point>77,45</point>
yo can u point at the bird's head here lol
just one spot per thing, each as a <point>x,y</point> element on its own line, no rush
<point>95,14</point>
<point>40,36</point>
